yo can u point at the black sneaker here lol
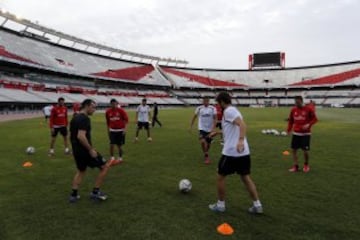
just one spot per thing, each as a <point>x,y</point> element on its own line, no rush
<point>98,196</point>
<point>74,199</point>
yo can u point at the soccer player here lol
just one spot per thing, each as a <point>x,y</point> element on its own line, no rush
<point>219,114</point>
<point>235,155</point>
<point>59,123</point>
<point>301,119</point>
<point>311,105</point>
<point>47,112</point>
<point>84,153</point>
<point>155,116</point>
<point>206,124</point>
<point>76,108</point>
<point>116,120</point>
<point>143,115</point>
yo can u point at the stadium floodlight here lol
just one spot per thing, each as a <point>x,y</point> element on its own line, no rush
<point>18,17</point>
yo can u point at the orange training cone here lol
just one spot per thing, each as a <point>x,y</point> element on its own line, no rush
<point>286,153</point>
<point>27,164</point>
<point>225,229</point>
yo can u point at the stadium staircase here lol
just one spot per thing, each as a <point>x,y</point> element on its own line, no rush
<point>162,74</point>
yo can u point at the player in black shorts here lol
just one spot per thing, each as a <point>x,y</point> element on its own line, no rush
<point>230,165</point>
<point>84,153</point>
<point>301,142</point>
<point>205,135</point>
<point>155,118</point>
<point>235,155</point>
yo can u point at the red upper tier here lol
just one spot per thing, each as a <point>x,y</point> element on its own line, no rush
<point>132,73</point>
<point>204,80</point>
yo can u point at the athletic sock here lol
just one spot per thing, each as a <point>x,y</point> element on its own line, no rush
<point>220,203</point>
<point>96,190</point>
<point>74,192</point>
<point>296,166</point>
<point>206,154</point>
<point>257,203</point>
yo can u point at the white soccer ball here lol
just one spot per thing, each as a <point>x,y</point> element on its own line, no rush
<point>263,131</point>
<point>185,185</point>
<point>268,131</point>
<point>283,133</point>
<point>30,150</point>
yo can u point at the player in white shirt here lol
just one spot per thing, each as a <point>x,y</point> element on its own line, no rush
<point>206,124</point>
<point>235,155</point>
<point>47,111</point>
<point>143,114</point>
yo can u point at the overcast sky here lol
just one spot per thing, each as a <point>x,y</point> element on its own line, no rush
<point>208,33</point>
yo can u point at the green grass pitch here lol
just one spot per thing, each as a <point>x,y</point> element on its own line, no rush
<point>144,201</point>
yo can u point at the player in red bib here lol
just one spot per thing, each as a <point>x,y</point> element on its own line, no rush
<point>311,105</point>
<point>59,123</point>
<point>301,119</point>
<point>76,108</point>
<point>116,119</point>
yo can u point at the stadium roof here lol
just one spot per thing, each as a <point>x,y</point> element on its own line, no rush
<point>26,25</point>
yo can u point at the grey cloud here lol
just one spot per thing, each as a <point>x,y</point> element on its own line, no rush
<point>209,33</point>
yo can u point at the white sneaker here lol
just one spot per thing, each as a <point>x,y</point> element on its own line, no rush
<point>51,152</point>
<point>256,210</point>
<point>216,208</point>
<point>67,151</point>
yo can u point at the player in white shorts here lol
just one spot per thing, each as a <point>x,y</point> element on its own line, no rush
<point>235,155</point>
<point>206,124</point>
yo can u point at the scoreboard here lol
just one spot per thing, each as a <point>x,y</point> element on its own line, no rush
<point>265,60</point>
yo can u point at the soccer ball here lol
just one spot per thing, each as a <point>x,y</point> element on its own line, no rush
<point>185,185</point>
<point>268,131</point>
<point>283,133</point>
<point>263,131</point>
<point>276,132</point>
<point>30,150</point>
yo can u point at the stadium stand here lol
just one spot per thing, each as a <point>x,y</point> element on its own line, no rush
<point>199,78</point>
<point>38,72</point>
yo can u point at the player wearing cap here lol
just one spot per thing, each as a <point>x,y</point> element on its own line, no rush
<point>301,119</point>
<point>58,123</point>
<point>235,155</point>
<point>116,120</point>
<point>206,123</point>
<point>142,117</point>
